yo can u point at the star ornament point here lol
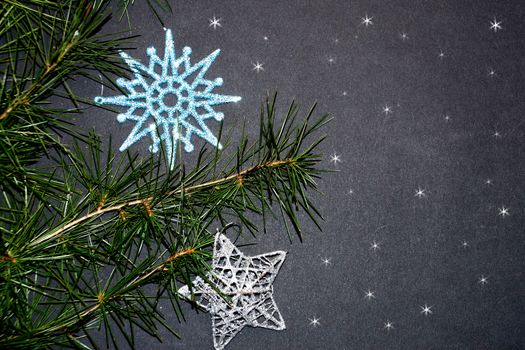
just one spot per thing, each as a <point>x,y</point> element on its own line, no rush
<point>169,100</point>
<point>247,281</point>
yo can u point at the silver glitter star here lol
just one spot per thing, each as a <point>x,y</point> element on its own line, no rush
<point>247,282</point>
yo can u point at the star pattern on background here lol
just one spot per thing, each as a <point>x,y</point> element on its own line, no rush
<point>168,105</point>
<point>426,310</point>
<point>335,158</point>
<point>375,246</point>
<point>257,66</point>
<point>483,280</point>
<point>420,193</point>
<point>215,22</point>
<point>495,25</point>
<point>314,321</point>
<point>248,281</point>
<point>367,21</point>
<point>326,261</point>
<point>503,211</point>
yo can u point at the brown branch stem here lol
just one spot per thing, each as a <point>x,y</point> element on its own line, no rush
<point>101,299</point>
<point>24,97</point>
<point>118,207</point>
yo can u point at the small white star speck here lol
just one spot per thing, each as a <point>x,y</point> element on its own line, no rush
<point>314,321</point>
<point>464,244</point>
<point>420,193</point>
<point>389,325</point>
<point>257,66</point>
<point>492,73</point>
<point>496,134</point>
<point>503,211</point>
<point>426,310</point>
<point>403,36</point>
<point>495,25</point>
<point>369,295</point>
<point>483,280</point>
<point>334,158</point>
<point>375,246</point>
<point>345,93</point>
<point>331,60</point>
<point>387,109</point>
<point>327,261</point>
<point>367,21</point>
<point>215,22</point>
<point>441,54</point>
<point>447,117</point>
<point>488,182</point>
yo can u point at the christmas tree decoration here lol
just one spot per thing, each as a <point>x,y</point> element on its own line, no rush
<point>245,296</point>
<point>93,242</point>
<point>169,100</point>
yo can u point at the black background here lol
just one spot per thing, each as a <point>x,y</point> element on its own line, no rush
<point>320,51</point>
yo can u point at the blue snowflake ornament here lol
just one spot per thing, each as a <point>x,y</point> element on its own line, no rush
<point>169,100</point>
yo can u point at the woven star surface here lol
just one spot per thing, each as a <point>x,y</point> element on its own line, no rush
<point>247,285</point>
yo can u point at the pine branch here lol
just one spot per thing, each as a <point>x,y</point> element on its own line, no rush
<point>93,240</point>
<point>45,44</point>
<point>159,238</point>
<point>146,201</point>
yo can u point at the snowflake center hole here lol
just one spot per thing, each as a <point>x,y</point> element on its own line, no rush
<point>169,99</point>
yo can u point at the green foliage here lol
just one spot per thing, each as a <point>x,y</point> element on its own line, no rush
<point>93,240</point>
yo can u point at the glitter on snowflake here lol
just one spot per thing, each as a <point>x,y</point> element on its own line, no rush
<point>169,100</point>
<point>248,282</point>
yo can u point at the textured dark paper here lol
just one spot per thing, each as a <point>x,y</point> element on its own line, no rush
<point>322,51</point>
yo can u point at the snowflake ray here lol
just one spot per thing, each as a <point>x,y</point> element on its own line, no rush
<point>169,100</point>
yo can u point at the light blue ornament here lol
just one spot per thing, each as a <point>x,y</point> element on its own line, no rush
<point>169,100</point>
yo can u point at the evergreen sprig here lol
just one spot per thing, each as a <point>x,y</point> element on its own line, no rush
<point>91,240</point>
<point>129,223</point>
<point>44,44</point>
